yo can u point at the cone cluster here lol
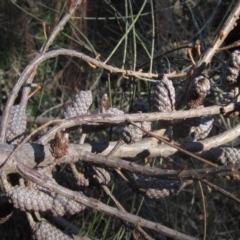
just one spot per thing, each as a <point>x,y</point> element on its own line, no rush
<point>17,123</point>
<point>198,128</point>
<point>198,90</point>
<point>46,231</point>
<point>223,155</point>
<point>164,96</point>
<point>80,104</point>
<point>232,74</point>
<point>30,199</point>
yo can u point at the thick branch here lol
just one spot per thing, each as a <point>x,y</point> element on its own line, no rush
<point>37,155</point>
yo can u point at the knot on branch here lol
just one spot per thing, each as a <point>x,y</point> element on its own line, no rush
<point>59,145</point>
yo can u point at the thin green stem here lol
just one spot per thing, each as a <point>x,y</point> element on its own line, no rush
<point>134,37</point>
<point>114,18</point>
<point>126,39</point>
<point>28,13</point>
<point>153,37</point>
<point>89,46</point>
<point>124,20</point>
<point>127,32</point>
<point>140,206</point>
<point>77,41</point>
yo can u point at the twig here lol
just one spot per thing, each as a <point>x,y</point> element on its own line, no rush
<point>222,34</point>
<point>35,91</point>
<point>54,53</point>
<point>211,51</point>
<point>114,150</point>
<point>31,222</point>
<point>46,182</point>
<point>121,208</point>
<point>59,27</point>
<point>224,192</point>
<point>204,211</point>
<point>212,110</point>
<point>174,145</point>
<point>145,148</point>
<point>140,117</point>
<point>32,67</point>
<point>189,51</point>
<point>41,116</point>
<point>114,162</point>
<point>233,45</point>
<point>26,90</point>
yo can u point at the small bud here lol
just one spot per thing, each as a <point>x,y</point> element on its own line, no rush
<point>59,145</point>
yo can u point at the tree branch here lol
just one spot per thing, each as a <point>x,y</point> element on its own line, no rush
<point>46,182</point>
<point>139,117</point>
<point>38,155</point>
